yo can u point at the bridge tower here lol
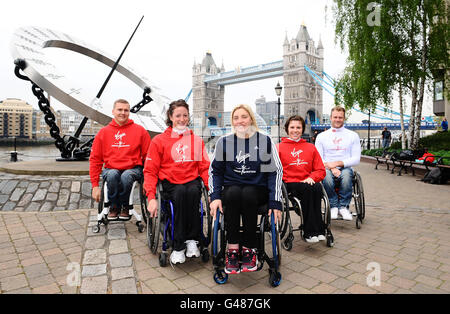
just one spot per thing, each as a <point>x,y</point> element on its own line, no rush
<point>302,95</point>
<point>208,98</point>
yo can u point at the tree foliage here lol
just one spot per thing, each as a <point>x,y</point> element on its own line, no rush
<point>393,45</point>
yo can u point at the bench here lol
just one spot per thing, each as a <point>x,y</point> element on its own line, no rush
<point>412,165</point>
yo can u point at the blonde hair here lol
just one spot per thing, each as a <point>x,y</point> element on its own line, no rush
<point>337,108</point>
<point>250,113</point>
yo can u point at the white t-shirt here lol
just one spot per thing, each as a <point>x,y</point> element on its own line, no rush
<point>339,145</point>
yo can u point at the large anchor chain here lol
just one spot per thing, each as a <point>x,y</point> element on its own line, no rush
<point>44,105</point>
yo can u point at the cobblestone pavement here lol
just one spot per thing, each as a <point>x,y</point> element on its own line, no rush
<point>404,236</point>
<point>35,193</point>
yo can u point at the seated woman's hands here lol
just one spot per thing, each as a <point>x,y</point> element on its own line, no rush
<point>152,207</point>
<point>309,181</point>
<point>213,207</point>
<point>276,214</point>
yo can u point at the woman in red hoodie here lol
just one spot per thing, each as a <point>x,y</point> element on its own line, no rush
<point>178,158</point>
<point>303,169</point>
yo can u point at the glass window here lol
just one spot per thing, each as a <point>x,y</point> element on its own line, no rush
<point>438,90</point>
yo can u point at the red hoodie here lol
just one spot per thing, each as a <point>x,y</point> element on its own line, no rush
<point>179,158</point>
<point>300,160</point>
<point>118,147</point>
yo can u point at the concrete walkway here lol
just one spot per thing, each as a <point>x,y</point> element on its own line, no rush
<point>403,246</point>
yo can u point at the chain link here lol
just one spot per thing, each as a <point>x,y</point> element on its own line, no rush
<point>145,100</point>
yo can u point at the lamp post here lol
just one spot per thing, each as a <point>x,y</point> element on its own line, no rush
<point>278,89</point>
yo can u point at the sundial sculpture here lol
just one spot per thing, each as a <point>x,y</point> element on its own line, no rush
<point>28,48</point>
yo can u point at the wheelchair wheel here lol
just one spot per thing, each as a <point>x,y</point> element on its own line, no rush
<point>218,248</point>
<point>206,224</point>
<point>274,278</point>
<point>285,215</point>
<point>220,277</point>
<point>358,199</point>
<point>163,259</point>
<point>361,192</point>
<point>143,200</point>
<point>155,226</point>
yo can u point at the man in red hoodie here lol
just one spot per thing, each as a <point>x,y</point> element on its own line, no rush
<point>121,147</point>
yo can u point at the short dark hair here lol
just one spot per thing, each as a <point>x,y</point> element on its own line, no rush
<point>294,118</point>
<point>173,105</point>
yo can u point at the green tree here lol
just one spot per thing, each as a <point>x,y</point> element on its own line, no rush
<point>393,46</point>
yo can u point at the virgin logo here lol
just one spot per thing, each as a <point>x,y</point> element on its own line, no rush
<point>337,141</point>
<point>296,153</point>
<point>119,136</point>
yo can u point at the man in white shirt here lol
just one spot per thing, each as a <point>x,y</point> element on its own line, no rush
<point>340,150</point>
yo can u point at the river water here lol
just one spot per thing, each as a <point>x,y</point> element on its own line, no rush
<point>27,153</point>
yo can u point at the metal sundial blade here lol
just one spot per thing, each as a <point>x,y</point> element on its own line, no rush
<point>100,92</point>
<point>117,62</point>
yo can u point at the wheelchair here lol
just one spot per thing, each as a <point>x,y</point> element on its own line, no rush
<point>292,203</point>
<point>359,204</point>
<point>265,225</point>
<point>161,226</point>
<point>104,207</point>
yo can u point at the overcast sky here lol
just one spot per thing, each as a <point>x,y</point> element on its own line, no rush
<point>172,35</point>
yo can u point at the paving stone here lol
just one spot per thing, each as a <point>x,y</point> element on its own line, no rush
<point>26,199</point>
<point>33,207</point>
<point>39,195</point>
<point>44,185</point>
<point>116,234</point>
<point>124,286</point>
<point>86,189</point>
<point>66,184</point>
<point>22,184</point>
<point>54,188</point>
<point>92,257</point>
<point>120,260</point>
<point>118,246</point>
<point>94,285</point>
<point>95,242</point>
<point>17,194</point>
<point>9,206</point>
<point>32,187</point>
<point>9,187</point>
<point>74,198</point>
<point>76,185</point>
<point>52,197</point>
<point>4,199</point>
<point>85,203</point>
<point>121,273</point>
<point>93,270</point>
<point>63,197</point>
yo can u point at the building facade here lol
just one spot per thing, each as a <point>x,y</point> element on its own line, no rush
<point>208,99</point>
<point>16,119</point>
<point>268,110</point>
<point>302,95</point>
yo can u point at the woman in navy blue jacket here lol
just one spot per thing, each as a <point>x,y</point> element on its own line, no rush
<point>244,174</point>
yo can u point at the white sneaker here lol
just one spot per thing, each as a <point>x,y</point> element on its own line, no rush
<point>334,212</point>
<point>192,249</point>
<point>177,257</point>
<point>321,237</point>
<point>312,239</point>
<point>345,213</point>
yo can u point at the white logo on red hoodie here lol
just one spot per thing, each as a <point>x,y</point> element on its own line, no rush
<point>118,138</point>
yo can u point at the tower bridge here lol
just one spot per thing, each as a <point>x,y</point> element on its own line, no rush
<point>302,95</point>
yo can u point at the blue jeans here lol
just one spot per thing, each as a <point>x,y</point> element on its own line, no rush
<point>120,183</point>
<point>386,143</point>
<point>345,184</point>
